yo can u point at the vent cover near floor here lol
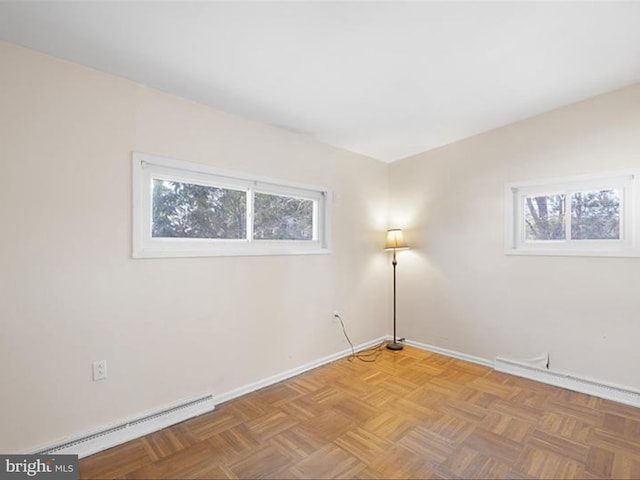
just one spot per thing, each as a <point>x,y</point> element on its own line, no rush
<point>110,437</point>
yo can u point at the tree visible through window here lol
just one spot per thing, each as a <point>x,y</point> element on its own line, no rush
<point>595,215</point>
<point>586,215</point>
<point>544,217</point>
<point>186,210</point>
<point>282,218</point>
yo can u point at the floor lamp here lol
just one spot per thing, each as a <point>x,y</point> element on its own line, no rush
<point>395,242</point>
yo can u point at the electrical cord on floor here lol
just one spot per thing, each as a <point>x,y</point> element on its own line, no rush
<point>367,355</point>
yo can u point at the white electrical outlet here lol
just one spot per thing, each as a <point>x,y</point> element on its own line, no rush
<point>99,370</point>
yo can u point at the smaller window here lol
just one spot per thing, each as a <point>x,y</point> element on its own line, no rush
<point>185,209</point>
<point>588,215</point>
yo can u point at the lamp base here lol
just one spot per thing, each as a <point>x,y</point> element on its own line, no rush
<point>394,346</point>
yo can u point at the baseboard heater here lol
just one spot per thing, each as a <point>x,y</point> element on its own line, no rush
<point>608,391</point>
<point>111,436</point>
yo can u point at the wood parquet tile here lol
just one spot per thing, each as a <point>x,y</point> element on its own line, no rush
<point>411,414</point>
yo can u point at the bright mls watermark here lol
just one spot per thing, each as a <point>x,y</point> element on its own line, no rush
<point>50,467</point>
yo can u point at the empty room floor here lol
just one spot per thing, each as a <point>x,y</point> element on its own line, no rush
<point>409,414</point>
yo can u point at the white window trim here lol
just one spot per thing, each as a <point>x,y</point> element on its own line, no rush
<point>146,166</point>
<point>628,181</point>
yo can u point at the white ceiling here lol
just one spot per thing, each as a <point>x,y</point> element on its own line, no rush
<point>386,79</point>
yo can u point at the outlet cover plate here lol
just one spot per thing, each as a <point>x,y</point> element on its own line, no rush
<point>99,370</point>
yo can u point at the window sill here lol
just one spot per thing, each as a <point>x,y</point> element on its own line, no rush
<point>630,252</point>
<point>226,252</point>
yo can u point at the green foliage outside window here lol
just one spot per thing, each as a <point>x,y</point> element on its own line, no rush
<point>185,210</point>
<point>282,218</point>
<point>595,215</point>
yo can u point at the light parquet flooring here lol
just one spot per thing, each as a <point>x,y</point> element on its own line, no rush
<point>411,414</point>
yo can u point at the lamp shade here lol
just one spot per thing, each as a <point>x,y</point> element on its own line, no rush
<point>395,240</point>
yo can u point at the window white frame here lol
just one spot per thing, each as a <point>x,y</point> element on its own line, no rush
<point>626,182</point>
<point>147,167</point>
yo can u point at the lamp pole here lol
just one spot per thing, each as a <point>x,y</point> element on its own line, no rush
<point>395,241</point>
<point>395,345</point>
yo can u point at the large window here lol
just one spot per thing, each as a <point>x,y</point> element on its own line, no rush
<point>186,209</point>
<point>588,215</point>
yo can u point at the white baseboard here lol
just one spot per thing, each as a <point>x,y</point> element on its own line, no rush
<point>114,434</point>
<point>609,391</point>
<point>450,353</point>
<point>265,382</point>
<point>125,431</point>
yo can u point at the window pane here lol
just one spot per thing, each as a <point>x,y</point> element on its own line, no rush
<point>282,218</point>
<point>595,215</point>
<point>186,210</point>
<point>544,217</point>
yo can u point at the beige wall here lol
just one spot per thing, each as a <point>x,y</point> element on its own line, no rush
<point>459,291</point>
<point>170,329</point>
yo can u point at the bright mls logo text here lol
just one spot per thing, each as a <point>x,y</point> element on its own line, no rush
<point>56,467</point>
<point>30,468</point>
